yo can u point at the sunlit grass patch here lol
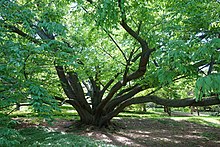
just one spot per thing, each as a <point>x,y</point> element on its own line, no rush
<point>66,107</point>
<point>207,121</point>
<point>170,122</point>
<point>141,114</point>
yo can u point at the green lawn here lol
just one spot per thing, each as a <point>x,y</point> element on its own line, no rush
<point>45,137</point>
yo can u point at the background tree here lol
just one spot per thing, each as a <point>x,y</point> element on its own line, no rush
<point>101,54</point>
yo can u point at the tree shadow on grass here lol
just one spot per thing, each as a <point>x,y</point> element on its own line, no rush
<point>139,132</point>
<point>43,136</point>
<point>160,132</point>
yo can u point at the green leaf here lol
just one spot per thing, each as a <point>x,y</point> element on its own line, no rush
<point>208,85</point>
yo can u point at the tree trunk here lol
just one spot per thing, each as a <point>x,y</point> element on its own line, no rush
<point>167,110</point>
<point>144,108</point>
<point>194,109</point>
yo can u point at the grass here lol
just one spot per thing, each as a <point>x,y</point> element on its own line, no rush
<point>41,136</point>
<point>210,135</point>
<point>210,121</point>
<point>149,114</point>
<point>206,121</point>
<point>169,122</point>
<point>45,137</point>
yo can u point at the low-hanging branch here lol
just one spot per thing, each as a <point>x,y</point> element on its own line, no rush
<point>177,103</point>
<point>165,102</point>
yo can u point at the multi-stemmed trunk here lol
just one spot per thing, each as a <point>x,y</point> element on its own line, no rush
<point>98,110</point>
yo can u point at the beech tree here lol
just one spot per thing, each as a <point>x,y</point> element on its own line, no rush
<point>99,55</point>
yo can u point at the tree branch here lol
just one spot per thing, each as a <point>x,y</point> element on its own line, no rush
<point>110,36</point>
<point>20,32</point>
<point>126,90</point>
<point>24,67</point>
<point>78,90</point>
<point>112,56</point>
<point>114,102</point>
<point>128,63</point>
<point>64,82</point>
<point>136,57</point>
<point>211,65</point>
<point>82,112</point>
<point>139,28</point>
<point>113,40</point>
<point>95,98</point>
<point>166,102</point>
<point>143,43</point>
<point>108,85</point>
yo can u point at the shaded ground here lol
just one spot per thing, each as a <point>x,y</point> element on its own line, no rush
<point>160,132</point>
<point>151,132</point>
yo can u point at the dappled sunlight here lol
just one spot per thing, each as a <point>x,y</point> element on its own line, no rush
<point>141,132</point>
<point>206,121</point>
<point>43,136</point>
<point>166,139</point>
<point>179,131</point>
<point>110,138</point>
<point>188,136</point>
<point>137,131</point>
<point>55,129</point>
<point>72,111</point>
<point>148,131</point>
<point>192,136</point>
<point>154,132</point>
<point>179,118</point>
<point>211,120</point>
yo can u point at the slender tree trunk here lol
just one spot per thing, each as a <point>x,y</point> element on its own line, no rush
<point>167,110</point>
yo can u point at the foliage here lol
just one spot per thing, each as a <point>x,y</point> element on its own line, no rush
<point>207,86</point>
<point>8,135</point>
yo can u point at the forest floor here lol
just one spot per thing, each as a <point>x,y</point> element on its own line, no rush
<point>178,131</point>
